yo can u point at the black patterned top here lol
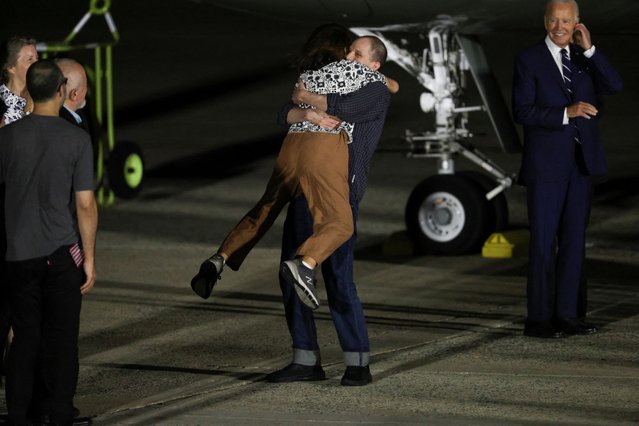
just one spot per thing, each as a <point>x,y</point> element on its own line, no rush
<point>15,105</point>
<point>340,78</point>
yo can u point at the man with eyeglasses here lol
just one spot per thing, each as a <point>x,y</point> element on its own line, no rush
<point>50,253</point>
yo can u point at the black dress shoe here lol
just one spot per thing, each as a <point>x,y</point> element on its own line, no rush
<point>297,373</point>
<point>575,326</point>
<point>43,419</point>
<point>356,376</point>
<point>542,331</point>
<point>78,421</point>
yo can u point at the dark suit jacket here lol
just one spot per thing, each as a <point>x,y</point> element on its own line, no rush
<point>539,98</point>
<point>64,113</point>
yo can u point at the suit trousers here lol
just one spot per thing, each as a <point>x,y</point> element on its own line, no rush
<point>45,301</point>
<point>344,303</point>
<point>558,214</point>
<point>313,164</point>
<point>5,314</point>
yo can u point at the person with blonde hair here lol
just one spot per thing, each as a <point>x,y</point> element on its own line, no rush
<point>16,56</point>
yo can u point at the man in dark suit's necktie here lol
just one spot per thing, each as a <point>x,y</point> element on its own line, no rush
<point>567,71</point>
<point>566,68</point>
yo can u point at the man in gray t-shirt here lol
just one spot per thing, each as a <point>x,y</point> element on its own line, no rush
<point>47,165</point>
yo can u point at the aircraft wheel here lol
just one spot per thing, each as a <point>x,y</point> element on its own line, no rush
<point>498,220</point>
<point>448,215</point>
<point>125,169</point>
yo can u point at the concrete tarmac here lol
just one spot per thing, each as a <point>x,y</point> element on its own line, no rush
<point>446,332</point>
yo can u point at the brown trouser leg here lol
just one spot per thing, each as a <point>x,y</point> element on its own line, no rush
<point>243,237</point>
<point>324,182</point>
<point>317,165</point>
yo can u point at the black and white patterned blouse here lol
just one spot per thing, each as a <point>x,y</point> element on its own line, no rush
<point>340,77</point>
<point>15,105</point>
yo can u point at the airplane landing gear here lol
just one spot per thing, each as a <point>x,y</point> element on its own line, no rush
<point>447,215</point>
<point>453,212</point>
<point>497,206</point>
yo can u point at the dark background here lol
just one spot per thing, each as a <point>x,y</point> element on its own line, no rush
<point>198,86</point>
<point>190,76</point>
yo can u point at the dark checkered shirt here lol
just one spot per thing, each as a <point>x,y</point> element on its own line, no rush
<point>367,109</point>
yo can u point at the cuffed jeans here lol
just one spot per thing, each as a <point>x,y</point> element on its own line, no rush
<point>344,303</point>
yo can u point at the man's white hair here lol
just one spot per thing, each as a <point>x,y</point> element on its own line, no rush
<point>554,2</point>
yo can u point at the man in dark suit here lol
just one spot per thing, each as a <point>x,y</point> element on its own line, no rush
<point>76,93</point>
<point>557,89</point>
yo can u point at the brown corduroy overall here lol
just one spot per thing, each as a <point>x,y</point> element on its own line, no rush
<point>316,165</point>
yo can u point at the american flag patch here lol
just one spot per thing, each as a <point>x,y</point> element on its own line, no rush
<point>76,254</point>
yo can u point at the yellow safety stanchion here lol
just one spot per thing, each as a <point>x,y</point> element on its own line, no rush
<point>506,244</point>
<point>497,246</point>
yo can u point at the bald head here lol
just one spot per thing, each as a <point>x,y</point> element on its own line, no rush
<point>369,51</point>
<point>76,83</point>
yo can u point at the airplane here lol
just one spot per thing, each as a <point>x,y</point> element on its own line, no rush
<point>619,16</point>
<point>454,211</point>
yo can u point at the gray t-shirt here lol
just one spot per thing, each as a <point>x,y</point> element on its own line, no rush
<point>43,160</point>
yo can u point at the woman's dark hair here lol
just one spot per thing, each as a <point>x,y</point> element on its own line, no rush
<point>328,43</point>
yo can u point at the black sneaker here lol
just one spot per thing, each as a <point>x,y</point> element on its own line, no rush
<point>210,271</point>
<point>356,376</point>
<point>303,279</point>
<point>297,373</point>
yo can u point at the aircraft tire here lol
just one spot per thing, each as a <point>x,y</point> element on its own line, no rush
<point>447,215</point>
<point>125,169</point>
<point>498,220</point>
